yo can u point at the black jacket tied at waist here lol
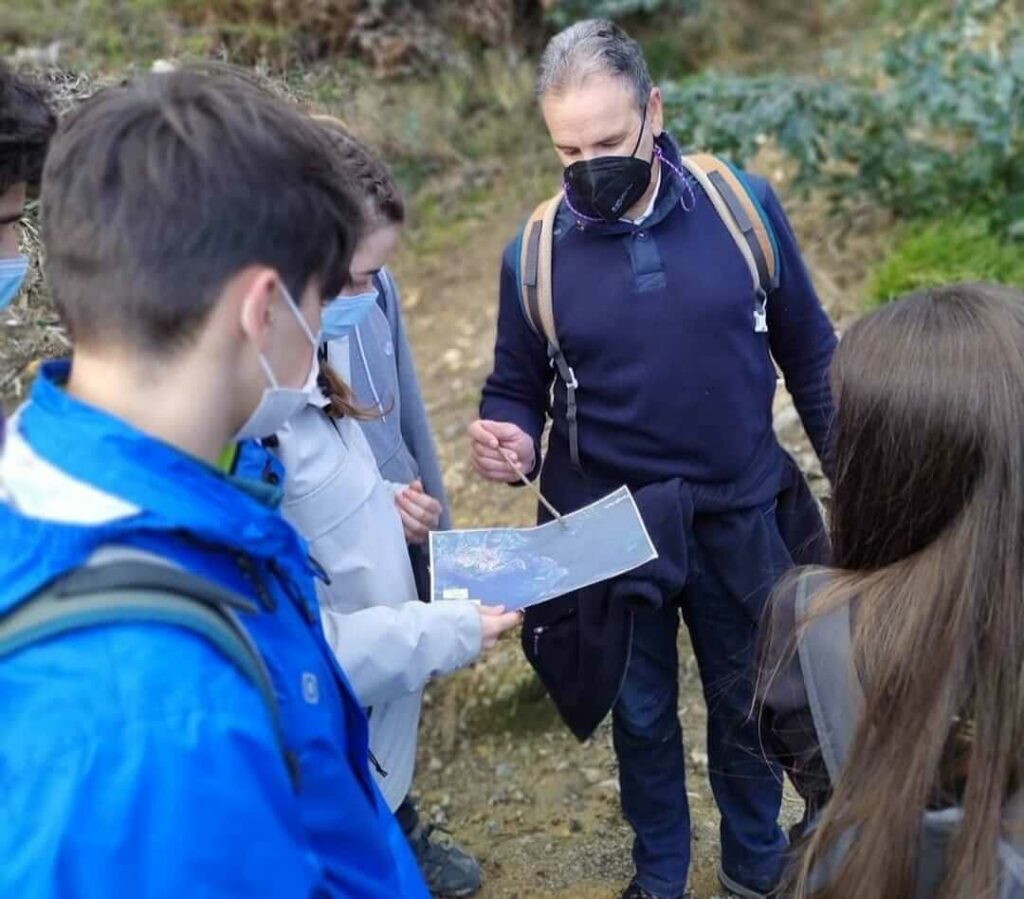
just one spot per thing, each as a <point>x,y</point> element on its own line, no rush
<point>579,643</point>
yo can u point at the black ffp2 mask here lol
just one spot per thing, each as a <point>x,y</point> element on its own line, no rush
<point>607,186</point>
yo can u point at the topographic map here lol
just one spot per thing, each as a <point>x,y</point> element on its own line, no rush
<point>519,567</point>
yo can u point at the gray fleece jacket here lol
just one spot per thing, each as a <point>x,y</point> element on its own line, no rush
<point>383,375</point>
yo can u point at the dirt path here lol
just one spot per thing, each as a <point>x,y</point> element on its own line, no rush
<point>496,765</point>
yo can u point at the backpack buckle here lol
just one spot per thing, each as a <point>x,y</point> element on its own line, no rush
<point>560,364</point>
<point>760,312</point>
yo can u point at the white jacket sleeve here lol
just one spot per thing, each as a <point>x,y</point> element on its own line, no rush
<point>387,641</point>
<point>390,651</point>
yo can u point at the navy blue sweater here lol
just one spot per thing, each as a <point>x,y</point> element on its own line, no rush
<point>657,322</point>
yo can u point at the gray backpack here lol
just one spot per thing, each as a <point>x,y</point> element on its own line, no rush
<point>837,702</point>
<point>125,586</point>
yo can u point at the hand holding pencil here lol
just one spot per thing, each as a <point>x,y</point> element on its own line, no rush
<point>489,438</point>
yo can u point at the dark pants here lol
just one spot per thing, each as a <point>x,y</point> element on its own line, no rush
<point>722,614</point>
<point>419,558</point>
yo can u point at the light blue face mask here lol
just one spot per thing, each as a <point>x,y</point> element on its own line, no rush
<point>12,276</point>
<point>343,314</point>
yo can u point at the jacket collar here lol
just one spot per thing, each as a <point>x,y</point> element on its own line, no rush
<point>122,481</point>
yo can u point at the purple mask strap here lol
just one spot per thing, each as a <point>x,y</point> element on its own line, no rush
<point>575,211</point>
<point>684,179</point>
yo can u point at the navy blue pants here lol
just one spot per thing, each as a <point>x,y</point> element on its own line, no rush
<point>721,605</point>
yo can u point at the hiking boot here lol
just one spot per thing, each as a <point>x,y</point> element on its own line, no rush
<point>448,871</point>
<point>735,888</point>
<point>635,891</point>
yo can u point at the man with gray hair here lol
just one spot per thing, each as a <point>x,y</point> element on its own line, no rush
<point>645,303</point>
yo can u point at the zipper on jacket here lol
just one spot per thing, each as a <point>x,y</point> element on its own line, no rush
<point>541,629</point>
<point>369,377</point>
<point>377,765</point>
<point>538,632</point>
<point>291,591</point>
<point>373,759</point>
<point>319,572</point>
<point>248,568</point>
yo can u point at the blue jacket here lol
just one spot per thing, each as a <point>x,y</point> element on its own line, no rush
<point>135,760</point>
<point>656,321</point>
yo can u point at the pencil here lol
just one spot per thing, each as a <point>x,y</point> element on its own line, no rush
<point>522,477</point>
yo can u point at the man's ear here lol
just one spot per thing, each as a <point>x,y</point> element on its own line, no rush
<point>255,291</point>
<point>656,110</point>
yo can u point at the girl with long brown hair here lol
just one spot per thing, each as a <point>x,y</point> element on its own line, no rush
<point>893,683</point>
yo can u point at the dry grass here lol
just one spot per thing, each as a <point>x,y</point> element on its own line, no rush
<point>387,36</point>
<point>32,332</point>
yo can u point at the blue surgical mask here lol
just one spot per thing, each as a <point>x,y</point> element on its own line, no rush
<point>12,276</point>
<point>343,314</point>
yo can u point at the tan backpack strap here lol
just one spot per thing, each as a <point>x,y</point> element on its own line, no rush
<point>718,201</point>
<point>545,297</point>
<point>745,213</point>
<point>742,218</point>
<point>537,299</point>
<point>535,269</point>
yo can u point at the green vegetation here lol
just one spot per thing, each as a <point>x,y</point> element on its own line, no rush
<point>390,36</point>
<point>944,252</point>
<point>897,10</point>
<point>933,124</point>
<point>118,33</point>
<point>566,12</point>
<point>923,115</point>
